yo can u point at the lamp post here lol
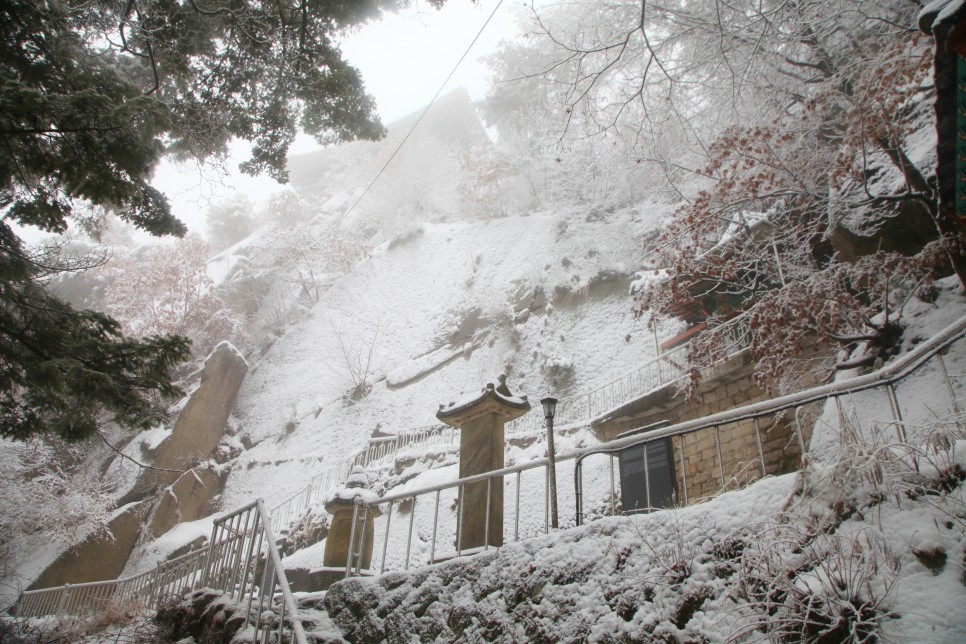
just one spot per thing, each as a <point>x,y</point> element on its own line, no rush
<point>549,409</point>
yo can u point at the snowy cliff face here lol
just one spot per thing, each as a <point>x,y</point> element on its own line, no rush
<point>431,316</point>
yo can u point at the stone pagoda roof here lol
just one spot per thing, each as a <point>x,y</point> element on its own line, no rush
<point>497,400</point>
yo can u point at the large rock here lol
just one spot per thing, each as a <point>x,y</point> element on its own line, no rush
<point>189,498</point>
<point>202,422</point>
<point>100,556</point>
<point>197,433</point>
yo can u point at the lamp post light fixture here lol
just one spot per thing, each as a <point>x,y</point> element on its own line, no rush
<point>549,410</point>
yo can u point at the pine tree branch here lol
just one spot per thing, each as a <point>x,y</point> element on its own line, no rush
<point>134,460</point>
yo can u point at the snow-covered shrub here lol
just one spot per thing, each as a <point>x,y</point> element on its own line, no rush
<point>410,233</point>
<point>52,493</point>
<point>822,572</point>
<point>117,622</point>
<point>165,289</point>
<point>558,370</point>
<point>308,530</point>
<point>808,585</point>
<point>358,347</point>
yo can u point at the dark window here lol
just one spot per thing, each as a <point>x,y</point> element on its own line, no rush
<point>658,475</point>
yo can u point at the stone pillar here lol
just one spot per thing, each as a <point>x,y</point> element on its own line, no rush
<point>481,418</point>
<point>341,505</point>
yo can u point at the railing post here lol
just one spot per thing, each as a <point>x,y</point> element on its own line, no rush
<point>409,539</point>
<point>362,538</point>
<point>211,546</point>
<point>896,412</point>
<point>613,490</point>
<point>949,384</point>
<point>460,521</point>
<point>801,436</point>
<point>352,537</point>
<point>385,540</point>
<point>155,596</point>
<point>432,549</point>
<point>578,490</point>
<point>684,471</point>
<point>64,596</point>
<point>717,447</point>
<point>486,526</point>
<point>761,452</point>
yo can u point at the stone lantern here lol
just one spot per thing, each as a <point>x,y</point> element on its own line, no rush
<point>480,418</point>
<point>341,505</point>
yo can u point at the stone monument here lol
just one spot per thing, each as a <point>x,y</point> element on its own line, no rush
<point>480,418</point>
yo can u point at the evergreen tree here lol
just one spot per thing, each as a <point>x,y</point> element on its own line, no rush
<point>92,94</point>
<point>230,221</point>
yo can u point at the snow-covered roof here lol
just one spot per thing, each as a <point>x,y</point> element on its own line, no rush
<point>938,12</point>
<point>490,398</point>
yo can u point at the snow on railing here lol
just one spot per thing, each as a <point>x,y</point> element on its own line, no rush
<point>244,562</point>
<point>147,589</point>
<point>241,560</point>
<point>385,447</point>
<point>182,574</point>
<point>297,505</point>
<point>441,505</point>
<point>378,449</point>
<point>664,369</point>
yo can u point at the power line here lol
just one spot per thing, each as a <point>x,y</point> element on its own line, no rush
<point>419,120</point>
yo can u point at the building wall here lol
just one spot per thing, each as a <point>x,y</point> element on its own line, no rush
<point>725,386</point>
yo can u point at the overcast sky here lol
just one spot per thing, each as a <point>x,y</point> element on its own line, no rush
<point>404,59</point>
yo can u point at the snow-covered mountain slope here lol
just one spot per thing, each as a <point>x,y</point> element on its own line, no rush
<point>439,312</point>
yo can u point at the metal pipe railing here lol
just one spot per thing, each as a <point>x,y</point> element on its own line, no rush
<point>887,377</point>
<point>429,501</point>
<point>300,502</point>
<point>665,368</point>
<point>288,606</point>
<point>147,589</point>
<point>570,410</point>
<point>241,560</point>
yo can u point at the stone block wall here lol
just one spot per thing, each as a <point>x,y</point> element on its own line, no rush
<point>714,460</point>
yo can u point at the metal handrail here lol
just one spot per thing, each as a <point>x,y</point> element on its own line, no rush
<point>885,377</point>
<point>233,532</point>
<point>570,410</point>
<point>663,369</point>
<point>298,504</point>
<point>148,588</point>
<point>243,561</point>
<point>288,600</point>
<point>232,562</point>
